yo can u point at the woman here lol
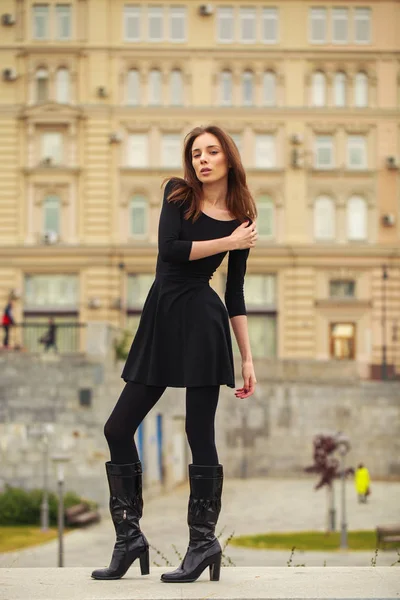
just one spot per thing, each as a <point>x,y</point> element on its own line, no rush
<point>183,340</point>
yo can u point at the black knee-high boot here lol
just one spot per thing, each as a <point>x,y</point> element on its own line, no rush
<point>126,507</point>
<point>204,507</point>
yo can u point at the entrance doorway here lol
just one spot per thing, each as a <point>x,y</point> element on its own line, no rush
<point>343,341</point>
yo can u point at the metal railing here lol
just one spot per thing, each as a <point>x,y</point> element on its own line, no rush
<point>33,337</point>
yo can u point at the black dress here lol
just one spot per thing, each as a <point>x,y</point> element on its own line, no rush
<point>183,339</point>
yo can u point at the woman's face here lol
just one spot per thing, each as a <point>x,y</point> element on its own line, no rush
<point>208,158</point>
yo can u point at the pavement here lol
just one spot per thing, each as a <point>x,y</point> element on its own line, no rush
<point>249,506</point>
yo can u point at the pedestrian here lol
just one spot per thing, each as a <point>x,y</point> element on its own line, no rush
<point>184,341</point>
<point>49,339</point>
<point>362,483</point>
<point>7,322</point>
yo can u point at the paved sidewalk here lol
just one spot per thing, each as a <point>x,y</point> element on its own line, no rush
<point>249,506</point>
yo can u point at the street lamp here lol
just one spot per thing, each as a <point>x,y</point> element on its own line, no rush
<point>60,460</point>
<point>384,363</point>
<point>343,446</point>
<point>44,507</point>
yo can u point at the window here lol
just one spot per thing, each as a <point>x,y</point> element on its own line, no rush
<point>340,34</point>
<point>171,150</point>
<point>356,219</point>
<point>270,25</point>
<point>133,88</point>
<point>51,291</point>
<point>361,90</point>
<point>132,17</point>
<point>63,21</point>
<point>226,88</point>
<point>324,152</point>
<point>356,152</point>
<point>155,87</point>
<point>342,288</point>
<point>52,147</point>
<point>318,25</point>
<point>237,138</point>
<point>62,86</point>
<point>156,23</point>
<point>137,290</point>
<point>318,89</point>
<point>265,219</point>
<point>177,32</point>
<point>40,21</point>
<point>176,88</point>
<point>269,89</point>
<point>247,88</point>
<point>138,151</point>
<point>324,219</point>
<point>138,216</point>
<point>42,85</point>
<point>362,26</point>
<point>247,25</point>
<point>225,24</point>
<point>265,151</point>
<point>339,89</point>
<point>51,214</point>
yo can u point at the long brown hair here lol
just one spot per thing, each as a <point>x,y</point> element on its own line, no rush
<point>239,200</point>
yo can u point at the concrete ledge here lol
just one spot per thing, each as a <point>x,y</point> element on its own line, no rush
<point>237,583</point>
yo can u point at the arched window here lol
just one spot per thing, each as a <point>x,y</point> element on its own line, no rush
<point>51,214</point>
<point>248,88</point>
<point>269,89</point>
<point>225,85</point>
<point>324,219</point>
<point>361,90</point>
<point>176,88</point>
<point>42,85</point>
<point>266,217</point>
<point>138,216</point>
<point>339,89</point>
<point>318,89</point>
<point>155,87</point>
<point>133,87</point>
<point>356,218</point>
<point>62,86</point>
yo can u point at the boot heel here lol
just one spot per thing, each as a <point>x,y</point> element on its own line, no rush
<point>215,569</point>
<point>145,562</point>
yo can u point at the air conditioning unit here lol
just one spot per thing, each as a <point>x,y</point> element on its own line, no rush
<point>296,138</point>
<point>115,138</point>
<point>101,92</point>
<point>50,237</point>
<point>9,74</point>
<point>388,220</point>
<point>205,10</point>
<point>7,19</point>
<point>392,162</point>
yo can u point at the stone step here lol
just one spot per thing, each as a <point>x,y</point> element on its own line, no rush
<point>237,583</point>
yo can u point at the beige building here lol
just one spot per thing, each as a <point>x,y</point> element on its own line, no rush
<point>95,99</point>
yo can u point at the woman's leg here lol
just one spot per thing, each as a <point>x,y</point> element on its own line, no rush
<point>135,401</point>
<point>201,406</point>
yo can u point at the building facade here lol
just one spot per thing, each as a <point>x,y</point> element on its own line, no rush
<point>96,97</point>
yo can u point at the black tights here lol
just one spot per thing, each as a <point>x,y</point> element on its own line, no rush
<point>136,400</point>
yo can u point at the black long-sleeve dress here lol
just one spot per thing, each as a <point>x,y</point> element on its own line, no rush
<point>183,339</point>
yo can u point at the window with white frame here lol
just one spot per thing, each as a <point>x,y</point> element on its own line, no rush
<point>340,25</point>
<point>270,25</point>
<point>132,22</point>
<point>269,88</point>
<point>361,90</point>
<point>138,216</point>
<point>155,87</point>
<point>51,214</point>
<point>133,87</point>
<point>324,158</point>
<point>339,89</point>
<point>42,85</point>
<point>138,286</point>
<point>324,219</point>
<point>177,24</point>
<point>237,138</point>
<point>266,217</point>
<point>40,25</point>
<point>62,86</point>
<point>356,219</point>
<point>362,25</point>
<point>51,291</point>
<point>356,152</point>
<point>171,150</point>
<point>155,23</point>
<point>318,89</point>
<point>176,88</point>
<point>225,24</point>
<point>138,150</point>
<point>226,88</point>
<point>318,25</point>
<point>265,151</point>
<point>63,21</point>
<point>247,88</point>
<point>52,147</point>
<point>342,288</point>
<point>247,16</point>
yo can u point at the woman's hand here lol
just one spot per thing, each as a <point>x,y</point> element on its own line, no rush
<point>249,381</point>
<point>244,236</point>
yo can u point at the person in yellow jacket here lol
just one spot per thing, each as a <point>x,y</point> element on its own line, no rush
<point>362,482</point>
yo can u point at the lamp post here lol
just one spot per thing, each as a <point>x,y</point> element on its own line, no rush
<point>384,363</point>
<point>44,507</point>
<point>60,460</point>
<point>343,447</point>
